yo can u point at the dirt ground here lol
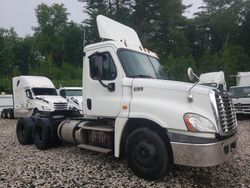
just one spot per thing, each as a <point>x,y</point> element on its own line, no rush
<point>69,166</point>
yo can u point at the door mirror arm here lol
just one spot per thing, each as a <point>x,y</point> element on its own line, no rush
<point>110,86</point>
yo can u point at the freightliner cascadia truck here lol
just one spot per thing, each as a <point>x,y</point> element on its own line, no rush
<point>32,94</point>
<point>131,109</point>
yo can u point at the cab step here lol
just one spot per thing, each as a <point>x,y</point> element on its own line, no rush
<point>94,148</point>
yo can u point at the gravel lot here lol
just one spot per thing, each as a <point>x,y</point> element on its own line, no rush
<point>69,166</point>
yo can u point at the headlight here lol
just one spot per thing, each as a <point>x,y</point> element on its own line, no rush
<point>46,108</point>
<point>197,123</point>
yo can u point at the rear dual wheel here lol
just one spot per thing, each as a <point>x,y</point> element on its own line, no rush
<point>24,129</point>
<point>3,114</point>
<point>10,114</point>
<point>41,133</point>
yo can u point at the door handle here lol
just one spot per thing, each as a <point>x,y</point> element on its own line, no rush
<point>89,104</point>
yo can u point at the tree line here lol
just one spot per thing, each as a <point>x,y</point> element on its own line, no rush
<point>217,38</point>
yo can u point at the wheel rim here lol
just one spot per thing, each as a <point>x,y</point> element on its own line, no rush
<point>146,154</point>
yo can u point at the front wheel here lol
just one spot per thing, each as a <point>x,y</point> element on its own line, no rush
<point>147,154</point>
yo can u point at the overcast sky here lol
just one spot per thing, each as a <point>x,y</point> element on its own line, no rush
<point>20,14</point>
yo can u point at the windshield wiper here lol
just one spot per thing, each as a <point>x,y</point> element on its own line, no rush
<point>142,76</point>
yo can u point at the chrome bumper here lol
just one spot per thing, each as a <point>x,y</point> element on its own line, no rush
<point>204,155</point>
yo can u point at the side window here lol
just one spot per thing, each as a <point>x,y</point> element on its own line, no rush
<point>62,93</point>
<point>102,66</point>
<point>28,94</point>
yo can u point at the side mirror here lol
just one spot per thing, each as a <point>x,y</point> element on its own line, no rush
<point>191,74</point>
<point>97,74</point>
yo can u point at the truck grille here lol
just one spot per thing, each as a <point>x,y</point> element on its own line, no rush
<point>60,106</point>
<point>242,108</point>
<point>226,113</point>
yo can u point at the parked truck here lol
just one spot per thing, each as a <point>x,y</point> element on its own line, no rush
<point>214,79</point>
<point>6,102</point>
<point>74,97</point>
<point>33,94</point>
<point>241,93</point>
<point>132,110</point>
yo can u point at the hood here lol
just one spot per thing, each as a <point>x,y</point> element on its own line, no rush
<point>51,98</point>
<point>166,102</point>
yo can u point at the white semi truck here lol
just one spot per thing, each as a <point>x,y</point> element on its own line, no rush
<point>32,94</point>
<point>214,79</point>
<point>74,97</point>
<point>241,93</point>
<point>132,110</point>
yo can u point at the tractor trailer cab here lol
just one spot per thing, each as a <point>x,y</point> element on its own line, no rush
<point>132,110</point>
<point>33,94</point>
<point>74,97</point>
<point>214,79</point>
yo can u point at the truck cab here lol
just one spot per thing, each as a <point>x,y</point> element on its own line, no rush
<point>132,110</point>
<point>241,98</point>
<point>214,79</point>
<point>74,97</point>
<point>32,94</point>
<point>241,93</point>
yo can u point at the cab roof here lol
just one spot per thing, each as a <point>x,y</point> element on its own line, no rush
<point>32,81</point>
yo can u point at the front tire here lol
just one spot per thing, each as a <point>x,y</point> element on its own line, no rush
<point>147,154</point>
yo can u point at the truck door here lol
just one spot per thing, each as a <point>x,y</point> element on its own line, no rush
<point>102,84</point>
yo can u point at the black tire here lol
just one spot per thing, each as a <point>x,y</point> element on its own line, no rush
<point>42,133</point>
<point>147,154</point>
<point>4,114</point>
<point>1,114</point>
<point>24,130</point>
<point>9,114</point>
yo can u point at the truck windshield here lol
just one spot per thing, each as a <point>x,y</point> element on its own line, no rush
<point>75,92</point>
<point>240,92</point>
<point>139,65</point>
<point>44,91</point>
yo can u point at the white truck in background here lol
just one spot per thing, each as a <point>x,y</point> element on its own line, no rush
<point>74,97</point>
<point>214,79</point>
<point>241,93</point>
<point>33,94</point>
<point>132,110</point>
<point>6,102</point>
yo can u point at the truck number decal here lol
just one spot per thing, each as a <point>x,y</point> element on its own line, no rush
<point>138,89</point>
